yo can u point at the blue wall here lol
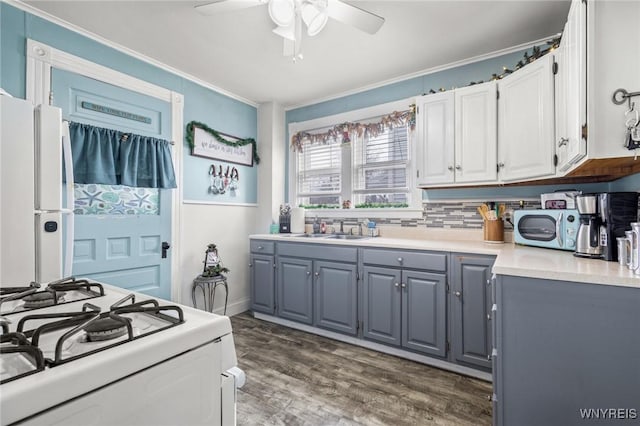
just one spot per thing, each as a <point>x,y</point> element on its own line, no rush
<point>455,77</point>
<point>200,104</point>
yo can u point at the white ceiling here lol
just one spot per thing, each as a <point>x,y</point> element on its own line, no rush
<point>236,51</point>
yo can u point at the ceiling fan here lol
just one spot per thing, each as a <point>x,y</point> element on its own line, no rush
<point>289,15</point>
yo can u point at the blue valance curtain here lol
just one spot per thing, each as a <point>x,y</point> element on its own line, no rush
<point>112,157</point>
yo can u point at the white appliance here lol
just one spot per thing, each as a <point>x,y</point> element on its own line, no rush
<point>172,369</point>
<point>32,146</point>
<point>60,361</point>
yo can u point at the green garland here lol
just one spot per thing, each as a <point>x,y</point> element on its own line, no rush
<point>219,138</point>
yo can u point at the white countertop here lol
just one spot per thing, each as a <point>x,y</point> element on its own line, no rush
<point>511,259</point>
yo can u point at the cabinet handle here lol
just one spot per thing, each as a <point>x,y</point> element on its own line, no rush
<point>404,285</point>
<point>400,260</point>
<point>501,165</point>
<point>308,273</point>
<point>450,168</point>
<point>563,142</point>
<point>396,284</point>
<point>489,397</point>
<point>489,357</point>
<point>458,294</point>
<point>317,274</point>
<point>250,265</point>
<point>489,282</point>
<point>488,317</point>
<point>260,247</point>
<point>458,167</point>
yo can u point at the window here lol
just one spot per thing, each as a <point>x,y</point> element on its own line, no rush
<point>380,169</point>
<point>369,171</point>
<point>319,176</point>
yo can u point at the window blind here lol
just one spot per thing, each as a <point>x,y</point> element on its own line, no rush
<point>319,173</point>
<point>380,166</point>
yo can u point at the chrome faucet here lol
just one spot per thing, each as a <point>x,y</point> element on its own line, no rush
<point>342,226</point>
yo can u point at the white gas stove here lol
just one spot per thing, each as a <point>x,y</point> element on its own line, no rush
<point>80,352</point>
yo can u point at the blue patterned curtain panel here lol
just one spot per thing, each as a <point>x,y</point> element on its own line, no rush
<point>95,199</point>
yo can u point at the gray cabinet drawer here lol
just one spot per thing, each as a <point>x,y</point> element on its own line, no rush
<point>319,252</point>
<point>406,259</point>
<point>262,247</point>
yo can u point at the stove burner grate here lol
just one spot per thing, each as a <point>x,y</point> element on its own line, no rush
<point>22,358</point>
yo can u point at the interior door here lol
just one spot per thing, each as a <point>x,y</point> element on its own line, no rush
<point>119,230</point>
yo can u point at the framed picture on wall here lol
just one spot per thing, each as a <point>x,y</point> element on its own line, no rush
<point>207,146</point>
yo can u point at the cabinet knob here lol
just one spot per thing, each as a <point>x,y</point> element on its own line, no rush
<point>450,168</point>
<point>396,284</point>
<point>458,294</point>
<point>489,397</point>
<point>489,357</point>
<point>250,265</point>
<point>501,165</point>
<point>404,285</point>
<point>317,274</point>
<point>488,317</point>
<point>563,142</point>
<point>260,247</point>
<point>308,273</point>
<point>400,260</point>
<point>489,282</point>
<point>458,167</point>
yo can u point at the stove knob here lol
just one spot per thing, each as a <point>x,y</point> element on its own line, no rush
<point>571,243</point>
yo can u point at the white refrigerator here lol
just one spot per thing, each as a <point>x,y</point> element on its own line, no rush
<point>36,224</point>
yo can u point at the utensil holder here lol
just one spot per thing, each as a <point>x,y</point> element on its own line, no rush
<point>494,231</point>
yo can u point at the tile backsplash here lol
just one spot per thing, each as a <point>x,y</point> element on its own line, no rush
<point>451,215</point>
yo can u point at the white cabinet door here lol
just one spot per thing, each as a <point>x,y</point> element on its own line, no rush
<point>476,133</point>
<point>526,145</point>
<point>435,139</point>
<point>571,91</point>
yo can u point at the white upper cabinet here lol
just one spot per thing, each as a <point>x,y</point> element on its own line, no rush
<point>435,146</point>
<point>571,89</point>
<point>457,136</point>
<point>526,137</point>
<point>476,133</point>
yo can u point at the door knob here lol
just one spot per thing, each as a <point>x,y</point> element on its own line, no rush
<point>165,246</point>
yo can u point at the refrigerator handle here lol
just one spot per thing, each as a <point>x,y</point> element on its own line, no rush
<point>68,161</point>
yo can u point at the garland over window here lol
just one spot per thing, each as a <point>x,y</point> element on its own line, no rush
<point>344,130</point>
<point>221,139</point>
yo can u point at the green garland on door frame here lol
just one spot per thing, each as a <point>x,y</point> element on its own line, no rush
<point>221,139</point>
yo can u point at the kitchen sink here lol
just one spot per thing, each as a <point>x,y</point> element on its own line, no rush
<point>348,237</point>
<point>309,235</point>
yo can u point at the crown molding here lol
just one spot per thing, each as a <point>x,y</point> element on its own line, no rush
<point>426,71</point>
<point>129,52</point>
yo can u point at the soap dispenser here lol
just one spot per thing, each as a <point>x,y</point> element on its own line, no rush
<point>316,226</point>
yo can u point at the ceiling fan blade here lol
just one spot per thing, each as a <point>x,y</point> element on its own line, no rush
<point>221,6</point>
<point>354,16</point>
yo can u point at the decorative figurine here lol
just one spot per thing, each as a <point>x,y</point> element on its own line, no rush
<point>212,263</point>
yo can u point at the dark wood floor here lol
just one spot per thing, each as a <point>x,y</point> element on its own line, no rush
<point>297,378</point>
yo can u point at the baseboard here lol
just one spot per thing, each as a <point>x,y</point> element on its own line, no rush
<point>445,365</point>
<point>234,308</point>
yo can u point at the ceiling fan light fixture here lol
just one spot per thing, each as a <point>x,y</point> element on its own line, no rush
<point>315,16</point>
<point>282,12</point>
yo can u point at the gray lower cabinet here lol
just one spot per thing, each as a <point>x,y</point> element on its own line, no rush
<point>405,308</point>
<point>294,286</point>
<point>471,309</point>
<point>261,279</point>
<point>565,350</point>
<point>336,296</point>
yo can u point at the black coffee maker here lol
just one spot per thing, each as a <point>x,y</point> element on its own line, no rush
<point>617,211</point>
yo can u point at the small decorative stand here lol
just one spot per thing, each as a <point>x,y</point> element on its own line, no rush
<point>210,279</point>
